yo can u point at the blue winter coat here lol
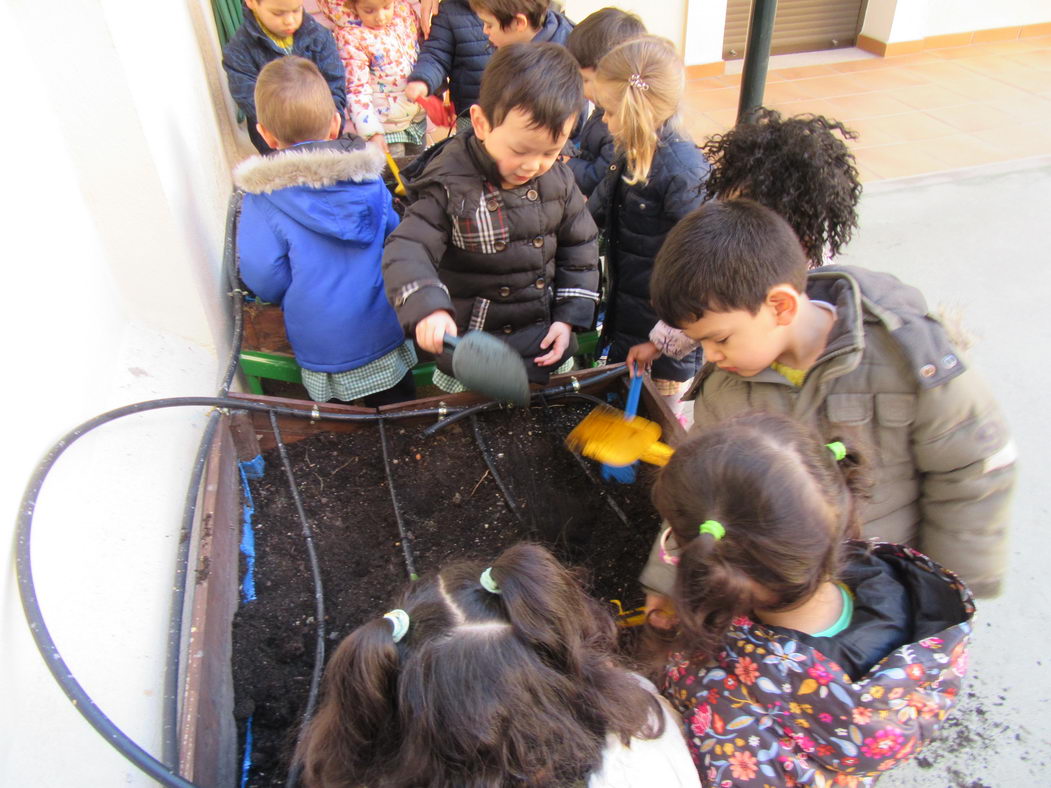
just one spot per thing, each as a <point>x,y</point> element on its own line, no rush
<point>595,153</point>
<point>250,49</point>
<point>458,50</point>
<point>636,220</point>
<point>310,238</point>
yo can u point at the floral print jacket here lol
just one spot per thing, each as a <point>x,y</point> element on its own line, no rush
<point>772,711</point>
<point>378,64</point>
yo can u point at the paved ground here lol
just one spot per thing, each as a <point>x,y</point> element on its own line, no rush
<point>977,240</point>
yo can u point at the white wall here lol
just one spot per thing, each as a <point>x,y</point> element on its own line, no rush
<point>662,18</point>
<point>114,192</point>
<point>912,20</point>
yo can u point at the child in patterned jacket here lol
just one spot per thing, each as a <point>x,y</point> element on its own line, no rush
<point>801,658</point>
<point>379,45</point>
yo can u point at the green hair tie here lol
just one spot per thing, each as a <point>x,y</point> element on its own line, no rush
<point>839,451</point>
<point>713,528</point>
<point>488,583</point>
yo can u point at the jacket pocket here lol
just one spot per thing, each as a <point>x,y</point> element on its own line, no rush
<point>849,409</point>
<point>895,410</point>
<point>894,415</point>
<point>482,227</point>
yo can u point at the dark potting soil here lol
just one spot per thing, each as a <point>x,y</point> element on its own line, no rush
<point>452,509</point>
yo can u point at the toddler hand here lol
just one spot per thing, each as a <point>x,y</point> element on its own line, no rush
<point>416,90</point>
<point>660,612</point>
<point>378,141</point>
<point>432,329</point>
<point>558,340</point>
<point>644,355</point>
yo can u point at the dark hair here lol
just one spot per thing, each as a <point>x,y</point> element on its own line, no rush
<point>787,508</point>
<point>542,80</point>
<point>517,688</point>
<point>293,101</point>
<point>797,167</point>
<point>721,257</point>
<point>599,32</point>
<point>506,10</point>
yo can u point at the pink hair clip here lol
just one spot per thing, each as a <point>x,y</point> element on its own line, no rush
<point>635,80</point>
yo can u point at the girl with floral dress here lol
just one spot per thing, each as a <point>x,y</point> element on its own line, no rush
<point>801,657</point>
<point>379,41</point>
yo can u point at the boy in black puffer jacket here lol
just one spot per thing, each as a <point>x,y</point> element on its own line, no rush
<point>498,237</point>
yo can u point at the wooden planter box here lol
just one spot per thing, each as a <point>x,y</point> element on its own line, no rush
<point>207,734</point>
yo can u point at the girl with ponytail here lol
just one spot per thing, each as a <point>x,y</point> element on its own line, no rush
<point>491,676</point>
<point>657,178</point>
<point>802,657</point>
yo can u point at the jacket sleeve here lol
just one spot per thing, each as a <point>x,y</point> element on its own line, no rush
<point>331,67</point>
<point>576,262</point>
<point>411,257</point>
<point>590,170</point>
<point>685,192</point>
<point>263,253</point>
<point>965,455</point>
<point>435,63</point>
<point>241,74</point>
<point>361,110</point>
<point>671,341</point>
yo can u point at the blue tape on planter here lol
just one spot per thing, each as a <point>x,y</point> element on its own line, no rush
<point>255,467</point>
<point>248,537</point>
<point>246,762</point>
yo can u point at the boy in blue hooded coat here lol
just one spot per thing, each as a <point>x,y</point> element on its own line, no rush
<point>313,222</point>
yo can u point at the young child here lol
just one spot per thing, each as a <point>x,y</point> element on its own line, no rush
<point>498,236</point>
<point>456,52</point>
<point>379,47</point>
<point>275,28</point>
<point>520,21</point>
<point>310,238</point>
<point>657,179</point>
<point>797,167</point>
<point>588,42</point>
<point>852,353</point>
<point>486,676</point>
<point>801,658</point>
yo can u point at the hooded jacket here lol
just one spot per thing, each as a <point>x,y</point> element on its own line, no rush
<point>310,238</point>
<point>773,709</point>
<point>458,50</point>
<point>891,383</point>
<point>636,218</point>
<point>251,48</point>
<point>507,261</point>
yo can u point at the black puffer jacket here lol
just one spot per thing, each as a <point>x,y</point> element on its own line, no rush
<point>636,220</point>
<point>456,48</point>
<point>509,261</point>
<point>595,153</point>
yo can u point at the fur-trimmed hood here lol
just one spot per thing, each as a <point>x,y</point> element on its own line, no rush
<point>313,164</point>
<point>334,188</point>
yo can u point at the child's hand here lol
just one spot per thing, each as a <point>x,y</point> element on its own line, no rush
<point>416,90</point>
<point>378,141</point>
<point>644,355</point>
<point>660,612</point>
<point>432,329</point>
<point>558,340</point>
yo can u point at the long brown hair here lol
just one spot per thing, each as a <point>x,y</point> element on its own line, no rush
<point>516,688</point>
<point>647,77</point>
<point>786,505</point>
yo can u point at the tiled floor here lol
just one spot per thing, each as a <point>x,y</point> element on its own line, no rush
<point>940,109</point>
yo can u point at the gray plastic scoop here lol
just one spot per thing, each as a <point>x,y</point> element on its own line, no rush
<point>488,366</point>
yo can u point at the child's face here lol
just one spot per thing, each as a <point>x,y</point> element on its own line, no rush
<point>375,14</point>
<point>588,75</point>
<point>281,17</point>
<point>522,152</point>
<point>606,97</point>
<point>738,341</point>
<point>517,32</point>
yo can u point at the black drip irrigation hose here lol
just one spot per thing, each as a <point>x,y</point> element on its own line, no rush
<point>406,547</point>
<point>491,465</point>
<point>319,596</point>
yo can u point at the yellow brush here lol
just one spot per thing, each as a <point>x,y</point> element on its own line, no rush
<point>605,435</point>
<point>400,189</point>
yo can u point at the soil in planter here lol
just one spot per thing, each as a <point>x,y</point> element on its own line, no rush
<point>452,508</point>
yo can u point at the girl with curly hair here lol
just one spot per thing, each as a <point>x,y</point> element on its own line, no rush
<point>491,676</point>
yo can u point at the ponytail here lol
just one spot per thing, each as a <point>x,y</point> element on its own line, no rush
<point>645,77</point>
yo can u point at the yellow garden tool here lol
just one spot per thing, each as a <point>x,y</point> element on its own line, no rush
<point>605,435</point>
<point>400,189</point>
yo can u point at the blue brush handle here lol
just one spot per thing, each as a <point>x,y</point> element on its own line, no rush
<point>634,391</point>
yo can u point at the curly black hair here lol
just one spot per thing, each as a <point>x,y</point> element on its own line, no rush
<point>797,167</point>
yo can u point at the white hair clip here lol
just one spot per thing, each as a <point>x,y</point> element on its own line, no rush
<point>635,80</point>
<point>400,621</point>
